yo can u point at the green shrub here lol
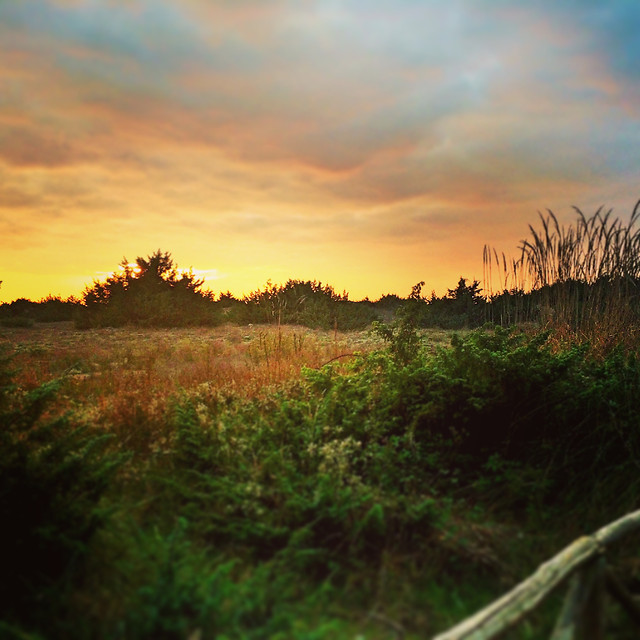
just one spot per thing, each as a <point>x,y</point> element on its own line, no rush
<point>401,336</point>
<point>16,322</point>
<point>52,477</point>
<point>560,419</point>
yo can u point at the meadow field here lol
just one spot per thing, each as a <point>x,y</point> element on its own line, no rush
<point>105,363</point>
<point>266,481</point>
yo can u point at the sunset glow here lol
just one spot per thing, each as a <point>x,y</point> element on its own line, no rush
<point>369,145</point>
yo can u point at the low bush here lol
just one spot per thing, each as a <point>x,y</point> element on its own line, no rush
<point>52,478</point>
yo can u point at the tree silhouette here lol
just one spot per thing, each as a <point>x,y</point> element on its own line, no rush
<point>150,293</point>
<point>466,293</point>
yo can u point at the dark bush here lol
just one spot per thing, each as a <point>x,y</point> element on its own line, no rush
<point>52,477</point>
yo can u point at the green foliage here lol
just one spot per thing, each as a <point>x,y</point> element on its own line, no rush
<point>150,294</point>
<point>292,512</point>
<point>301,481</point>
<point>186,592</point>
<point>52,476</point>
<point>182,592</point>
<point>462,307</point>
<point>401,336</point>
<point>558,419</point>
<point>308,303</point>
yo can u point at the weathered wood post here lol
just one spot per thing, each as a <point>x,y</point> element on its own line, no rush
<point>582,614</point>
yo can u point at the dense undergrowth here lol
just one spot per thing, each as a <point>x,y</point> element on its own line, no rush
<point>397,490</point>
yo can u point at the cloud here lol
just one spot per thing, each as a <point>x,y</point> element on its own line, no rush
<point>311,121</point>
<point>327,86</point>
<point>22,147</point>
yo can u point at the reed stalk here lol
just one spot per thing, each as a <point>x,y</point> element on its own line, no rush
<point>583,278</point>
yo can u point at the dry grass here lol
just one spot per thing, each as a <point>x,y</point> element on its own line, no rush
<point>108,365</point>
<point>125,380</point>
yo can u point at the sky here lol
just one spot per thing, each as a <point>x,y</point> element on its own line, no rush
<point>368,144</point>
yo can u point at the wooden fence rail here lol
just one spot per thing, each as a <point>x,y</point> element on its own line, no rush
<point>583,562</point>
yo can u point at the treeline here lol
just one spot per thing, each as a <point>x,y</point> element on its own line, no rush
<point>23,312</point>
<point>153,293</point>
<point>127,300</point>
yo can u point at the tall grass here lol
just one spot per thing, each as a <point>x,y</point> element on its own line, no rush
<point>122,373</point>
<point>583,278</point>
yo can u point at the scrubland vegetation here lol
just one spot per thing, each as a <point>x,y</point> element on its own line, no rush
<point>265,479</point>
